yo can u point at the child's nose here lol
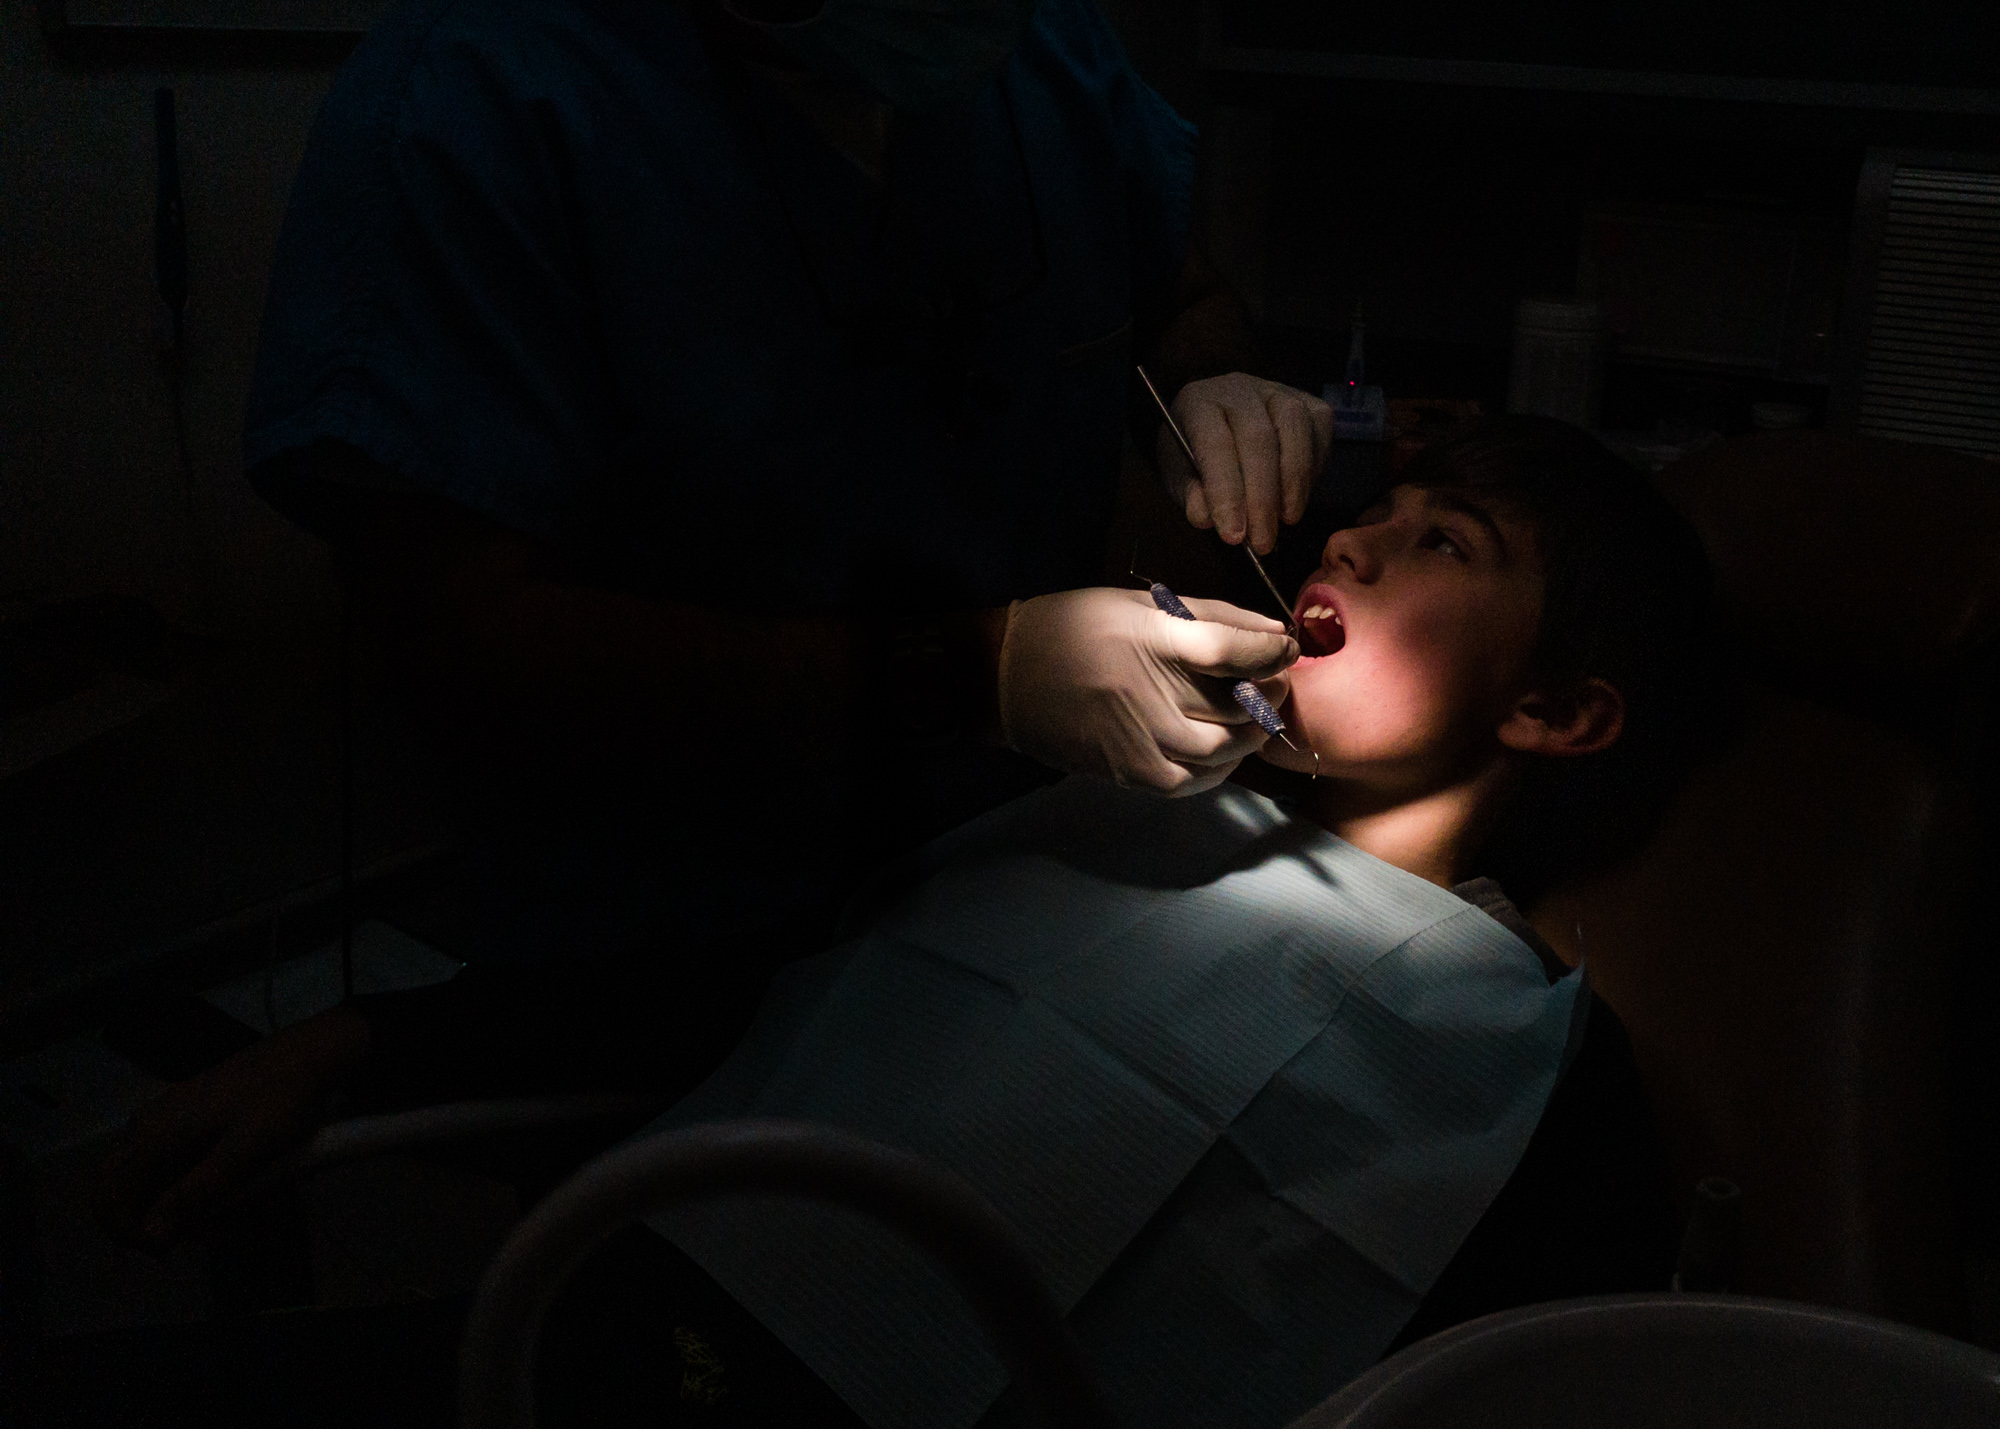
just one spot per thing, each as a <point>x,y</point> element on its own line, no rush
<point>1353,548</point>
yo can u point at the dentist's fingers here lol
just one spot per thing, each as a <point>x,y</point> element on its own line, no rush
<point>1236,447</point>
<point>1206,421</point>
<point>1200,781</point>
<point>1157,773</point>
<point>1221,612</point>
<point>1299,449</point>
<point>1198,514</point>
<point>1182,481</point>
<point>1258,447</point>
<point>1320,413</point>
<point>1205,744</point>
<point>1103,682</point>
<point>1259,453</point>
<point>1229,653</point>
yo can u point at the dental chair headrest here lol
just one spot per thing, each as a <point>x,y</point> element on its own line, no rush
<point>1863,573</point>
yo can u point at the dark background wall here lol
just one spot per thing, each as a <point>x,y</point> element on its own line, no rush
<point>1431,164</point>
<point>209,794</point>
<point>91,497</point>
<point>1433,205</point>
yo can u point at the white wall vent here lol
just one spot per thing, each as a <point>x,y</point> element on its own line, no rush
<point>1921,337</point>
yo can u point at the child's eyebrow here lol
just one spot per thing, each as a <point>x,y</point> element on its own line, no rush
<point>1453,501</point>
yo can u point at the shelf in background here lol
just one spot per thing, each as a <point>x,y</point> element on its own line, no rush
<point>1576,79</point>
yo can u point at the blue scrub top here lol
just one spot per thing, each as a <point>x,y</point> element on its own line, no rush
<point>564,263</point>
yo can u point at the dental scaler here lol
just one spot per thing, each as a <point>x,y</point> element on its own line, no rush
<point>1246,694</point>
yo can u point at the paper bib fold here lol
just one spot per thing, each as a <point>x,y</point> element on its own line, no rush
<point>1098,999</point>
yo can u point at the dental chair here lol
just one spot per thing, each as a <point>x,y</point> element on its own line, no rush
<point>1673,1361</point>
<point>1788,952</point>
<point>1686,1362</point>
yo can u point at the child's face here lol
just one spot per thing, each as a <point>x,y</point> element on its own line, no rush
<point>1429,606</point>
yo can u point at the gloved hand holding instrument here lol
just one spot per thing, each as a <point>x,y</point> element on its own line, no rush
<point>1245,694</point>
<point>1240,454</point>
<point>1106,682</point>
<point>1088,682</point>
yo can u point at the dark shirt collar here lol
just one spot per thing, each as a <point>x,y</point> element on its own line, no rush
<point>1489,898</point>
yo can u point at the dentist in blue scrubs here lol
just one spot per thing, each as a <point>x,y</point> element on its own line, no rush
<point>716,406</point>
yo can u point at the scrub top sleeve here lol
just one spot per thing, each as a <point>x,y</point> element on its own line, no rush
<point>1156,148</point>
<point>429,304</point>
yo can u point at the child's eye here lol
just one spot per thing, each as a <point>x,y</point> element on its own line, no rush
<point>1436,540</point>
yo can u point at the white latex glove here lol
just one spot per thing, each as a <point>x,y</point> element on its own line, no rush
<point>1260,444</point>
<point>1103,682</point>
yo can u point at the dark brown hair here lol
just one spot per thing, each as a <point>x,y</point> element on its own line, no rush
<point>1626,599</point>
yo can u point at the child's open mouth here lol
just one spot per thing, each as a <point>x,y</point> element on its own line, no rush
<point>1321,629</point>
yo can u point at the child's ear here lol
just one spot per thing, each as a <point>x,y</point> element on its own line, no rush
<point>1587,719</point>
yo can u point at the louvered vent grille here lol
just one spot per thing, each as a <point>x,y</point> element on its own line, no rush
<point>1932,372</point>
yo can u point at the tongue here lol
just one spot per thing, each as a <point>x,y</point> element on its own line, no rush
<point>1321,637</point>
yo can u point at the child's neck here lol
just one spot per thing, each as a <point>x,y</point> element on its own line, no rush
<point>1435,835</point>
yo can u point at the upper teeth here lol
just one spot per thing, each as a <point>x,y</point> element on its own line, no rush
<point>1320,612</point>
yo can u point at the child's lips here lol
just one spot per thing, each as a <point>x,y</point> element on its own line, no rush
<point>1322,629</point>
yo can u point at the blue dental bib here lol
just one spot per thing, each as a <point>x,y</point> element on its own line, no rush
<point>1241,1088</point>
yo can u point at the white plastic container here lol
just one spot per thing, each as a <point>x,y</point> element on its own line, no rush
<point>1558,368</point>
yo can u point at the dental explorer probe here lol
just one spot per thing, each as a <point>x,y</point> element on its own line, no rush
<point>1291,625</point>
